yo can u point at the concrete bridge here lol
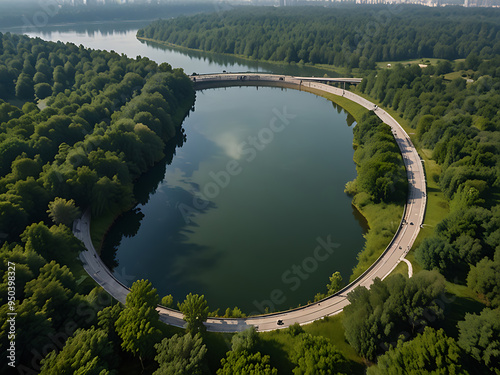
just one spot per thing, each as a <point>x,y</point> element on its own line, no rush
<point>395,252</point>
<point>232,79</point>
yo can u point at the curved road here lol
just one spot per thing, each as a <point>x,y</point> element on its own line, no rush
<point>396,251</point>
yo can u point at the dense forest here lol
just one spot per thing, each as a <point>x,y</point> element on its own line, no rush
<point>459,122</point>
<point>340,36</point>
<point>105,120</point>
<point>77,127</point>
<point>456,122</point>
<point>451,109</point>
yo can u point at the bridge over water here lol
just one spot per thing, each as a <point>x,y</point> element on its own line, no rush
<point>254,78</point>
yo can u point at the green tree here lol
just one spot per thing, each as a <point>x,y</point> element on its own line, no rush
<point>377,317</point>
<point>167,301</point>
<point>431,352</point>
<point>48,241</point>
<point>335,283</point>
<point>13,217</point>
<point>25,87</point>
<point>23,167</point>
<point>195,310</point>
<point>49,295</point>
<point>436,253</point>
<point>138,324</point>
<point>35,332</point>
<point>106,319</point>
<point>62,211</point>
<point>181,355</point>
<point>316,355</point>
<point>484,279</point>
<point>42,90</point>
<point>246,363</point>
<point>479,335</point>
<point>86,352</point>
<point>245,340</point>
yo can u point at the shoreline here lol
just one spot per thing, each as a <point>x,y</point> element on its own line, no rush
<point>366,213</point>
<point>402,241</point>
<point>241,57</point>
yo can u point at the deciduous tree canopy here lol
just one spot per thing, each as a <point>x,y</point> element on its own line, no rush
<point>398,306</point>
<point>338,36</point>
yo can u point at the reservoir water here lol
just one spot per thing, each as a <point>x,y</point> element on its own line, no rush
<point>250,206</point>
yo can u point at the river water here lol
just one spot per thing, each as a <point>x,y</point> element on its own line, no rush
<point>251,205</point>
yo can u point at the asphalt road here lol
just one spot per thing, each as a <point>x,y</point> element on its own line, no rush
<point>395,252</point>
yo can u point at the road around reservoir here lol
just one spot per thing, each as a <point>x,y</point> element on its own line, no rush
<point>396,251</point>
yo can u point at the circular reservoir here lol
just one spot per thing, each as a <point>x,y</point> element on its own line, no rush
<point>251,211</point>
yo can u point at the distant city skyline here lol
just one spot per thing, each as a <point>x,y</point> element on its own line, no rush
<point>281,3</point>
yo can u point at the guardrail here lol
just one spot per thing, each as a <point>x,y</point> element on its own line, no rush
<point>243,78</point>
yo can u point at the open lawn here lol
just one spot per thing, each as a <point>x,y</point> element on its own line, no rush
<point>425,61</point>
<point>457,303</point>
<point>401,268</point>
<point>383,220</point>
<point>279,344</point>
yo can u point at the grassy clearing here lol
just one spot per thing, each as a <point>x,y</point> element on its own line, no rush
<point>465,74</point>
<point>460,301</point>
<point>416,266</point>
<point>217,346</point>
<point>357,111</point>
<point>279,344</point>
<point>437,205</point>
<point>426,61</point>
<point>99,226</point>
<point>333,329</point>
<point>401,268</point>
<point>383,220</point>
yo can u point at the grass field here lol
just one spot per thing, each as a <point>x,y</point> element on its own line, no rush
<point>425,61</point>
<point>383,220</point>
<point>279,344</point>
<point>401,268</point>
<point>437,205</point>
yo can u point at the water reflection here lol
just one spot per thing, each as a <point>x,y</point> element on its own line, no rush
<point>251,65</point>
<point>155,241</point>
<point>91,29</point>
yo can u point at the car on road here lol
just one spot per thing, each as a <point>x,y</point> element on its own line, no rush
<point>280,322</point>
